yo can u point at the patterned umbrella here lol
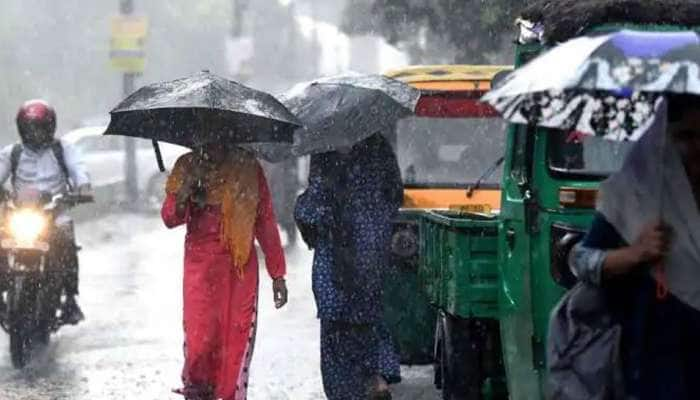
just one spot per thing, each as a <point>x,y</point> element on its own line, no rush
<point>603,84</point>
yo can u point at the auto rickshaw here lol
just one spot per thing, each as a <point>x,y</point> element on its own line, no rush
<point>450,156</point>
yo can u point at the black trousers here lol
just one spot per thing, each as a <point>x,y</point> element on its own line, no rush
<point>660,348</point>
<point>63,258</point>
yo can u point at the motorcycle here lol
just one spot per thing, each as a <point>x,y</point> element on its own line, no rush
<point>33,289</point>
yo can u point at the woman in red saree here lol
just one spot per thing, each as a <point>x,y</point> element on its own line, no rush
<point>224,200</point>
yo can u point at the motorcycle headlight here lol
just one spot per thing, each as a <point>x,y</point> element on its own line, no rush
<point>27,225</point>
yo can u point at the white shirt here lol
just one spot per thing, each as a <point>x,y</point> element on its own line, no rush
<point>40,170</point>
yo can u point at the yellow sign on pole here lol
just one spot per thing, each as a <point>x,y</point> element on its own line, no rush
<point>127,43</point>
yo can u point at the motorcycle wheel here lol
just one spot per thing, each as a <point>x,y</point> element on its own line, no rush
<point>50,302</point>
<point>22,302</point>
<point>19,349</point>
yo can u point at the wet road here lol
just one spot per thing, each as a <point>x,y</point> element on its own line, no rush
<point>130,345</point>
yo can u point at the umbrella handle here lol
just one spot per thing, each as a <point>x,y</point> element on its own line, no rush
<point>660,268</point>
<point>200,190</point>
<point>661,284</point>
<point>159,156</point>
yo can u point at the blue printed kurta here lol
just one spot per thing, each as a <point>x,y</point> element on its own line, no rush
<point>373,196</point>
<point>353,199</point>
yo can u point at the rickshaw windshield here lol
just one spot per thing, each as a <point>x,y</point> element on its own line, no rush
<point>584,157</point>
<point>449,152</point>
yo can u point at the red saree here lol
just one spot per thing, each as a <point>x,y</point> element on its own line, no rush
<point>220,306</point>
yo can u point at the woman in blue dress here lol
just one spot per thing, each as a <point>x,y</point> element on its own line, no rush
<point>346,216</point>
<point>643,250</point>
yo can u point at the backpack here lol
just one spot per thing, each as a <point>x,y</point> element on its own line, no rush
<point>57,149</point>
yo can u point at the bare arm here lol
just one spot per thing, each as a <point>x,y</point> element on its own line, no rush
<point>267,234</point>
<point>620,262</point>
<point>595,265</point>
<point>651,246</point>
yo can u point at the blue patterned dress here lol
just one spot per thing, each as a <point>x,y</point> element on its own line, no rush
<point>346,216</point>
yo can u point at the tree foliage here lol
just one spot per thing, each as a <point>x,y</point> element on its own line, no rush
<point>564,19</point>
<point>466,31</point>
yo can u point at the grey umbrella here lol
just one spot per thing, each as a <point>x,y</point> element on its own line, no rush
<point>204,109</point>
<point>341,111</point>
<point>397,90</point>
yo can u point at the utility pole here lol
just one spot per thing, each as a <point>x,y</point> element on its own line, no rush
<point>238,8</point>
<point>126,7</point>
<point>242,47</point>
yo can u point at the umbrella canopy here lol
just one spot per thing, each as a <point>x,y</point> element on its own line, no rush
<point>602,84</point>
<point>204,109</point>
<point>402,93</point>
<point>341,111</point>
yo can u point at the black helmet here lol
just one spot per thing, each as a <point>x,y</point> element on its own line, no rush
<point>36,123</point>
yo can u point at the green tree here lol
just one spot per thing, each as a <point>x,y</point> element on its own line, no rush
<point>461,31</point>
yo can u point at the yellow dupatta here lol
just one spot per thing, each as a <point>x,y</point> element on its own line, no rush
<point>232,185</point>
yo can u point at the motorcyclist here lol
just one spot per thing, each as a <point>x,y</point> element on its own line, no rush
<point>43,163</point>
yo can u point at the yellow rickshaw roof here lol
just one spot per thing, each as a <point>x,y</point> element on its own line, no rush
<point>448,77</point>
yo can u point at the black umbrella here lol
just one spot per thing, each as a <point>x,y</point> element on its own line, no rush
<point>341,111</point>
<point>204,109</point>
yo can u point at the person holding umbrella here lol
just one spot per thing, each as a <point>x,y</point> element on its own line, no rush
<point>220,193</point>
<point>346,216</point>
<point>643,251</point>
<point>225,202</point>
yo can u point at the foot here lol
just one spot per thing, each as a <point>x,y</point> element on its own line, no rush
<point>196,393</point>
<point>379,390</point>
<point>71,312</point>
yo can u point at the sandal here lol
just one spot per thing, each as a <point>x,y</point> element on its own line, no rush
<point>195,393</point>
<point>380,395</point>
<point>379,390</point>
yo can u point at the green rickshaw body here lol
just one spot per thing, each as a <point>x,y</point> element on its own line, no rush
<point>533,225</point>
<point>498,267</point>
<point>406,307</point>
<point>461,263</point>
